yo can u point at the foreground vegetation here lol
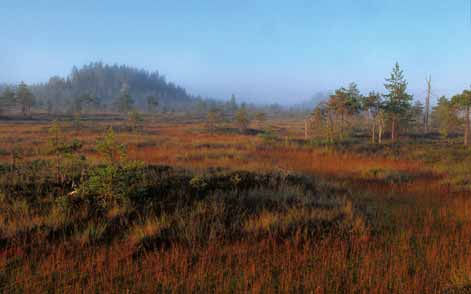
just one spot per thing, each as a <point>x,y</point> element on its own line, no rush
<point>174,206</point>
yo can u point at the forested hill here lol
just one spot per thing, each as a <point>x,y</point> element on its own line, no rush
<point>106,82</point>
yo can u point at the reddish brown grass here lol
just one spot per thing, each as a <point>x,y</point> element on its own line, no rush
<point>419,240</point>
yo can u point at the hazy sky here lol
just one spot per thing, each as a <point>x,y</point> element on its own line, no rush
<point>260,50</point>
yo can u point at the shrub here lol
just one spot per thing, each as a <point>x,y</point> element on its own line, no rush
<point>113,185</point>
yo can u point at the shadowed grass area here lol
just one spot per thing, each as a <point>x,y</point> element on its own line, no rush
<point>214,208</point>
<point>220,204</point>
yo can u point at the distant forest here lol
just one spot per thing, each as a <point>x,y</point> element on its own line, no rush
<point>103,84</point>
<point>102,87</point>
<point>110,88</point>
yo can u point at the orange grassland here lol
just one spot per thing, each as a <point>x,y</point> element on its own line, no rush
<point>417,238</point>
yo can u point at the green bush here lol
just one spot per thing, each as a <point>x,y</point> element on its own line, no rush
<point>112,185</point>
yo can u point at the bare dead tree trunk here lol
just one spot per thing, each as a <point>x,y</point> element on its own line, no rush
<point>427,104</point>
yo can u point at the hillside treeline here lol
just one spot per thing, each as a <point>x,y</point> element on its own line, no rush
<point>99,86</point>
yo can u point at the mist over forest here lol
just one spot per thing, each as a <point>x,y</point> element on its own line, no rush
<point>103,87</point>
<point>103,83</point>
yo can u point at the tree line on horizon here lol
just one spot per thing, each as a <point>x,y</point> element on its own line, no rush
<point>102,87</point>
<point>392,112</point>
<point>98,87</point>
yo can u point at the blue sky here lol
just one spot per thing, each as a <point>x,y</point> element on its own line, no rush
<point>263,51</point>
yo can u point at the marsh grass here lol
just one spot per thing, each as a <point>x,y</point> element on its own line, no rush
<point>230,212</point>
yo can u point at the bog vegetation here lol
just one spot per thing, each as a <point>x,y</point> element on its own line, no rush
<point>365,193</point>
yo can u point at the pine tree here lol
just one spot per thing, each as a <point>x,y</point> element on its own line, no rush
<point>25,98</point>
<point>353,98</point>
<point>463,102</point>
<point>319,123</point>
<point>232,105</point>
<point>7,99</point>
<point>110,149</point>
<point>398,101</point>
<point>444,117</point>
